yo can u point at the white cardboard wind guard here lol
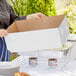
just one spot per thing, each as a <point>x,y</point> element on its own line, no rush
<point>38,35</point>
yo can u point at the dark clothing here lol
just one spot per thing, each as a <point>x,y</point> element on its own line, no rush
<point>7,15</point>
<point>4,53</point>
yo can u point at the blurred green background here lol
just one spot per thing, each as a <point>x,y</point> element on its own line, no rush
<point>26,7</point>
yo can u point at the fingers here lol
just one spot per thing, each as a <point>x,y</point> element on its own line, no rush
<point>40,15</point>
<point>36,16</point>
<point>3,33</point>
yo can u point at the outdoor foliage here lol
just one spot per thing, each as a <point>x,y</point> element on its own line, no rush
<point>26,7</point>
<point>70,12</point>
<point>19,7</point>
<point>72,2</point>
<point>47,7</point>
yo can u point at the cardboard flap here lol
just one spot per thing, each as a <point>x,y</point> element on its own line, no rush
<point>12,28</point>
<point>36,24</point>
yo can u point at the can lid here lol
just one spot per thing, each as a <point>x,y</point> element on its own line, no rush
<point>52,59</point>
<point>32,58</point>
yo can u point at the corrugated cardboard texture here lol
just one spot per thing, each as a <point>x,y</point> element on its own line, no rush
<point>12,28</point>
<point>36,24</point>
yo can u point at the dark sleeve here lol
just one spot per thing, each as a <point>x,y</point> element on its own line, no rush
<point>14,17</point>
<point>1,27</point>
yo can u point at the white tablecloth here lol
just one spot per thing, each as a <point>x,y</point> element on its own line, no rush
<point>44,70</point>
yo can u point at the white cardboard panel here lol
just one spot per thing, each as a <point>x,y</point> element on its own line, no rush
<point>33,40</point>
<point>51,53</point>
<point>64,31</point>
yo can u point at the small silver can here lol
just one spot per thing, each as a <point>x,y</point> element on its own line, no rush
<point>33,61</point>
<point>52,62</point>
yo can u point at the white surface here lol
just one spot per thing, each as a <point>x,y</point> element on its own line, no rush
<point>8,65</point>
<point>51,53</point>
<point>46,53</point>
<point>38,39</point>
<point>64,31</point>
<point>57,52</point>
<point>8,68</point>
<point>72,37</point>
<point>43,70</point>
<point>73,51</point>
<point>33,40</point>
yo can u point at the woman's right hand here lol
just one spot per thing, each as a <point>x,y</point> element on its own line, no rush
<point>3,32</point>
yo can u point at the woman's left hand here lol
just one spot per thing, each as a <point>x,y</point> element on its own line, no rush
<point>36,16</point>
<point>3,32</point>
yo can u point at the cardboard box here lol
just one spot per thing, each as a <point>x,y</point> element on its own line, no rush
<point>37,34</point>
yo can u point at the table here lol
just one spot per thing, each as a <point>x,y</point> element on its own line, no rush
<point>73,51</point>
<point>43,70</point>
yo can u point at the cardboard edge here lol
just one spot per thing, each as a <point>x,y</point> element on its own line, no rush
<point>12,28</point>
<point>51,22</point>
<point>62,16</point>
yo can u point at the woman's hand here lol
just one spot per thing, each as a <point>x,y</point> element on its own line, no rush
<point>36,15</point>
<point>3,32</point>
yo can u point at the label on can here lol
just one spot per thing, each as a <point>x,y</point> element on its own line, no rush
<point>33,61</point>
<point>52,62</point>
